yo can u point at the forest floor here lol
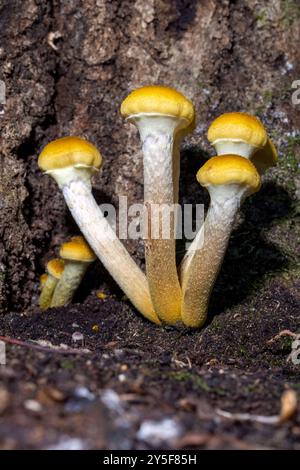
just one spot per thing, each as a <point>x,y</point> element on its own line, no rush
<point>130,384</point>
<point>125,383</point>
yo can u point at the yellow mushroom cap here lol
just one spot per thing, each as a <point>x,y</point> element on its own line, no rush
<point>229,169</point>
<point>158,100</point>
<point>77,249</point>
<point>69,151</point>
<point>266,157</point>
<point>238,127</point>
<point>43,279</point>
<point>55,267</point>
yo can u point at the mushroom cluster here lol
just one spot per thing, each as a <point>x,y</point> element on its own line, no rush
<point>64,274</point>
<point>167,294</point>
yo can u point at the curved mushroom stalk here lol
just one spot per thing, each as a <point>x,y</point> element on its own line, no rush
<point>77,256</point>
<point>71,162</point>
<point>159,114</point>
<point>229,180</point>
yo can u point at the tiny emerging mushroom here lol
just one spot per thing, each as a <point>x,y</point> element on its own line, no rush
<point>77,256</point>
<point>237,134</point>
<point>160,113</point>
<point>72,161</point>
<point>43,279</point>
<point>49,280</point>
<point>229,180</point>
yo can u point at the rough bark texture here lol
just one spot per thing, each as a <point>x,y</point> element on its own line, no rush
<point>68,64</point>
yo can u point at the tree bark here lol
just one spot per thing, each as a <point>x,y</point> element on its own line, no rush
<point>67,65</point>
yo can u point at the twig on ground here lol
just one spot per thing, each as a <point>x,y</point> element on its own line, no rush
<point>46,349</point>
<point>288,410</point>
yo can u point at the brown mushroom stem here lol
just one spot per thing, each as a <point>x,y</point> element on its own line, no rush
<point>160,248</point>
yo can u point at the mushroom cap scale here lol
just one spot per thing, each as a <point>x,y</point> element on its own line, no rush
<point>69,151</point>
<point>238,127</point>
<point>265,157</point>
<point>229,169</point>
<point>77,249</point>
<point>55,267</point>
<point>158,100</point>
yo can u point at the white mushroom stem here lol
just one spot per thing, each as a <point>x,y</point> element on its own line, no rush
<point>234,147</point>
<point>70,280</point>
<point>157,135</point>
<point>76,188</point>
<point>202,262</point>
<point>47,291</point>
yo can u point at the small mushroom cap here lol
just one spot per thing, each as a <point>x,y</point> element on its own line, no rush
<point>229,169</point>
<point>158,100</point>
<point>69,151</point>
<point>43,279</point>
<point>238,127</point>
<point>55,267</point>
<point>266,157</point>
<point>77,249</point>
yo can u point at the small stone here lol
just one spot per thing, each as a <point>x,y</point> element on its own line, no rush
<point>33,405</point>
<point>77,337</point>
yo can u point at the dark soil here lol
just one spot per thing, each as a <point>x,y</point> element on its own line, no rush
<point>134,372</point>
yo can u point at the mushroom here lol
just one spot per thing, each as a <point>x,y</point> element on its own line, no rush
<point>77,256</point>
<point>159,114</point>
<point>43,279</point>
<point>71,161</point>
<point>265,158</point>
<point>229,180</point>
<point>54,268</point>
<point>237,134</point>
